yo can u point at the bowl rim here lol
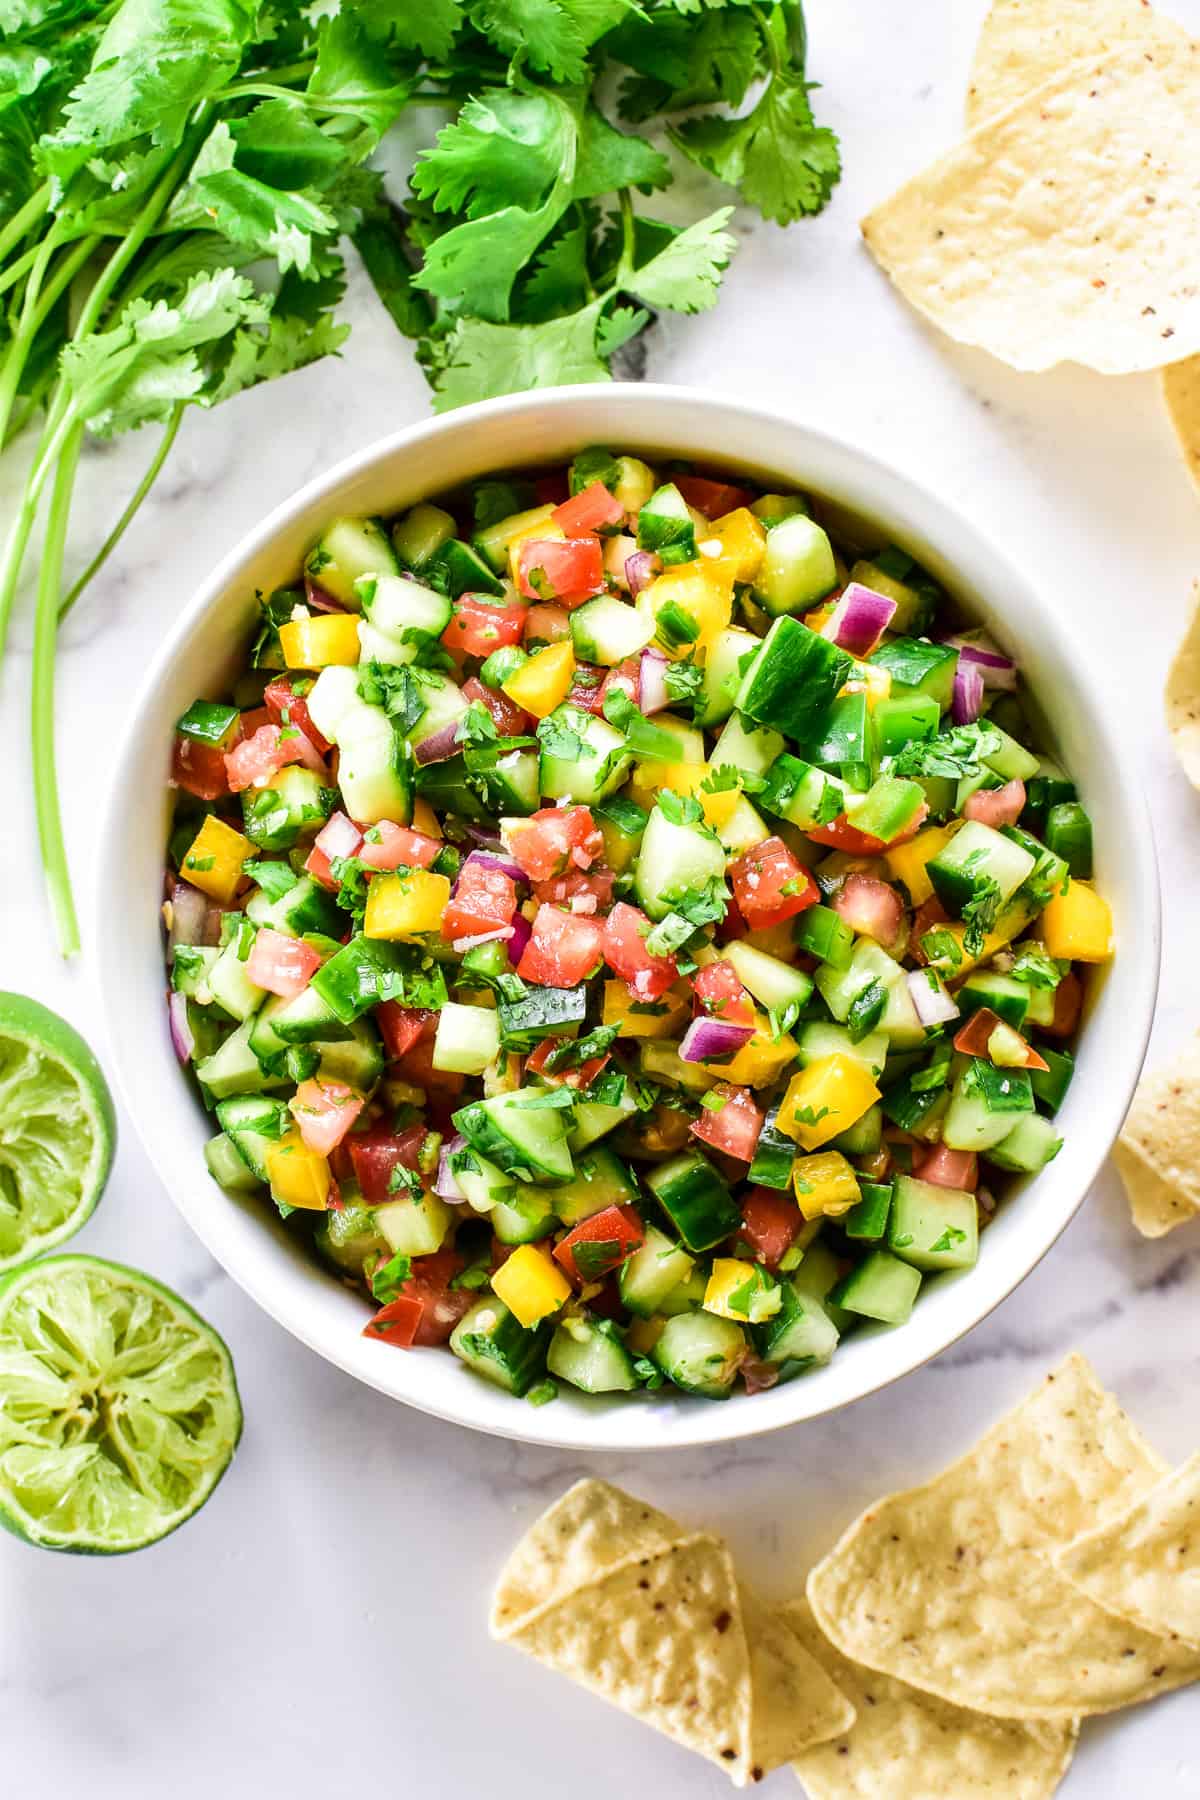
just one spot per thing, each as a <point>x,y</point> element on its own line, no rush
<point>695,1423</point>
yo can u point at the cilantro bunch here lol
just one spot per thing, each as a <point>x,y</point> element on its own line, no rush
<point>179,178</point>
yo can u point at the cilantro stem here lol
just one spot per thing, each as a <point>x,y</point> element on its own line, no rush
<point>126,519</point>
<point>45,783</point>
<point>34,311</point>
<point>34,209</point>
<point>628,224</point>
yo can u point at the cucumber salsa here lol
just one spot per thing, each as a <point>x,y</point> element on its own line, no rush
<point>626,927</point>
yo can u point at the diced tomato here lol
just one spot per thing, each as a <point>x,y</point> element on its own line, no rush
<point>841,835</point>
<point>282,965</point>
<point>376,1153</point>
<point>396,1323</point>
<point>324,1111</point>
<point>568,570</point>
<point>484,900</point>
<point>626,676</point>
<point>996,806</point>
<point>720,994</point>
<point>440,1086</point>
<point>770,886</point>
<point>479,625</point>
<point>928,916</point>
<point>551,489</point>
<point>647,977</point>
<point>443,1304</point>
<point>339,836</point>
<point>732,1128</point>
<point>510,719</point>
<point>546,624</point>
<point>252,762</point>
<point>200,768</point>
<point>562,949</point>
<point>388,846</point>
<point>713,498</point>
<point>757,1374</point>
<point>400,1026</point>
<point>1068,1003</point>
<point>592,507</point>
<point>579,893</point>
<point>600,1244</point>
<point>770,1221</point>
<point>870,907</point>
<point>974,1037</point>
<point>588,686</point>
<point>554,840</point>
<point>581,1076</point>
<point>949,1168</point>
<point>287,707</point>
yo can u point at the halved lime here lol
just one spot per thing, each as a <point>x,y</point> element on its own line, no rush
<point>119,1409</point>
<point>57,1130</point>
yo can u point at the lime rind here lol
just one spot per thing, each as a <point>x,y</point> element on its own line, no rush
<point>119,1408</point>
<point>57,1130</point>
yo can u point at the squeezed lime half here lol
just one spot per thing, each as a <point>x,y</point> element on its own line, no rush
<point>57,1130</point>
<point>119,1409</point>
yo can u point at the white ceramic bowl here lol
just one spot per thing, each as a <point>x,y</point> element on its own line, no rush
<point>205,646</point>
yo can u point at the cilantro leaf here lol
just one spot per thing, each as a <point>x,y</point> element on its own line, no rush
<point>479,360</point>
<point>686,276</point>
<point>542,30</point>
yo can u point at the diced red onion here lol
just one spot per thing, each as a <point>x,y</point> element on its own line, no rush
<point>859,619</point>
<point>934,1005</point>
<point>652,682</point>
<point>339,836</point>
<point>496,859</point>
<point>446,1185</point>
<point>319,600</point>
<point>640,570</point>
<point>485,836</point>
<point>522,931</point>
<point>967,703</point>
<point>461,945</point>
<point>709,1040</point>
<point>305,752</point>
<point>998,670</point>
<point>189,913</point>
<point>439,746</point>
<point>182,1040</point>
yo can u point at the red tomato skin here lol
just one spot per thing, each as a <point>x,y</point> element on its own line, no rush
<point>397,1323</point>
<point>440,1085</point>
<point>568,570</point>
<point>950,1168</point>
<point>734,1129</point>
<point>484,900</point>
<point>720,994</point>
<point>647,977</point>
<point>841,835</point>
<point>279,699</point>
<point>199,769</point>
<point>280,964</point>
<point>770,1221</point>
<point>873,908</point>
<point>587,894</point>
<point>760,875</point>
<point>713,498</point>
<point>479,625</point>
<point>1068,1003</point>
<point>375,1153</point>
<point>398,846</point>
<point>510,719</point>
<point>554,841</point>
<point>618,1225</point>
<point>562,949</point>
<point>253,761</point>
<point>996,806</point>
<point>588,510</point>
<point>927,917</point>
<point>318,865</point>
<point>442,1305</point>
<point>588,686</point>
<point>626,676</point>
<point>546,624</point>
<point>400,1026</point>
<point>580,1077</point>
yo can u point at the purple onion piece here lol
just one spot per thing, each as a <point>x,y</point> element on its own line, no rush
<point>339,836</point>
<point>462,944</point>
<point>934,1005</point>
<point>640,570</point>
<point>182,1041</point>
<point>446,1184</point>
<point>709,1040</point>
<point>189,916</point>
<point>496,859</point>
<point>319,600</point>
<point>998,671</point>
<point>439,746</point>
<point>652,682</point>
<point>522,931</point>
<point>485,837</point>
<point>859,619</point>
<point>967,703</point>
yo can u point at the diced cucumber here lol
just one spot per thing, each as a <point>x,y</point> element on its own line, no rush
<point>376,771</point>
<point>723,674</point>
<point>493,1343</point>
<point>1050,1085</point>
<point>493,540</point>
<point>346,1236</point>
<point>406,611</point>
<point>483,1184</point>
<point>540,1012</point>
<point>824,935</point>
<point>346,550</point>
<point>775,984</point>
<point>444,703</point>
<point>230,985</point>
<point>1007,998</point>
<point>846,743</point>
<point>622,822</point>
<point>462,570</point>
<point>700,1353</point>
<point>818,1039</point>
<point>662,1062</point>
<point>521,1133</point>
<point>233,1068</point>
<point>882,1287</point>
<point>770,508</point>
<point>414,1227</point>
<point>190,966</point>
<point>695,1199</point>
<point>295,803</point>
<point>798,566</point>
<point>305,907</point>
<point>228,1167</point>
<point>906,719</point>
<point>793,680</point>
<point>376,646</point>
<point>600,1179</point>
<point>672,859</point>
<point>252,1123</point>
<point>527,1215</point>
<point>332,695</point>
<point>746,746</point>
<point>774,1155</point>
<point>468,1039</point>
<point>933,1227</point>
<point>1029,1146</point>
<point>306,1017</point>
<point>590,1358</point>
<point>801,1335</point>
<point>918,667</point>
<point>1012,761</point>
<point>665,525</point>
<point>657,1267</point>
<point>975,857</point>
<point>606,631</point>
<point>596,1118</point>
<point>864,1137</point>
<point>744,827</point>
<point>897,1018</point>
<point>819,1273</point>
<point>510,783</point>
<point>801,793</point>
<point>356,1059</point>
<point>868,1218</point>
<point>596,770</point>
<point>420,533</point>
<point>985,1105</point>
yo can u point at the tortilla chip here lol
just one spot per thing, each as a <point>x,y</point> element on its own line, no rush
<point>1145,1565</point>
<point>1066,228</point>
<point>1024,43</point>
<point>1158,1152</point>
<point>950,1586</point>
<point>1183,698</point>
<point>794,1704</point>
<point>905,1745</point>
<point>1181,391</point>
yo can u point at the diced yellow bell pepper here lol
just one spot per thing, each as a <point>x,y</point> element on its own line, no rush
<point>741,1290</point>
<point>826,1186</point>
<point>1077,926</point>
<point>774,940</point>
<point>405,903</point>
<point>907,861</point>
<point>321,642</point>
<point>758,1062</point>
<point>643,1334</point>
<point>876,681</point>
<point>425,819</point>
<point>700,595</point>
<point>818,616</point>
<point>649,778</point>
<point>214,859</point>
<point>298,1176</point>
<point>1010,925</point>
<point>641,1018</point>
<point>539,528</point>
<point>530,1285</point>
<point>543,682</point>
<point>743,539</point>
<point>825,1099</point>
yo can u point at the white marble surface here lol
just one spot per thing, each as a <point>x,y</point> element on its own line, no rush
<point>319,1628</point>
